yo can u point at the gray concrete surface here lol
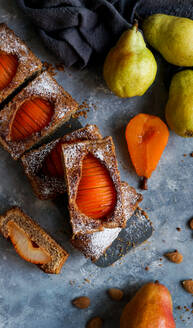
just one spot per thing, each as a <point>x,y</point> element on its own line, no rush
<point>28,297</point>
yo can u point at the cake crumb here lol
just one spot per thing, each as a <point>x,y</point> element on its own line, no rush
<point>49,68</point>
<point>87,280</point>
<point>178,229</point>
<point>60,67</point>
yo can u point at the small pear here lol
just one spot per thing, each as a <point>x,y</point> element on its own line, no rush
<point>130,67</point>
<point>172,36</point>
<point>151,307</point>
<point>179,108</point>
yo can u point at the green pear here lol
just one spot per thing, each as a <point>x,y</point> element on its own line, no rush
<point>179,108</point>
<point>130,67</point>
<point>172,36</point>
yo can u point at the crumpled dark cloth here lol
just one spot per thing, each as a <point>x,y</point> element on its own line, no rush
<point>78,30</point>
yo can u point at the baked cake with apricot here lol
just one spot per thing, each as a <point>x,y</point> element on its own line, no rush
<point>31,242</point>
<point>17,62</point>
<point>35,113</point>
<point>93,186</point>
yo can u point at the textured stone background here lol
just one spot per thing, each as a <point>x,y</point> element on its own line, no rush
<point>28,297</point>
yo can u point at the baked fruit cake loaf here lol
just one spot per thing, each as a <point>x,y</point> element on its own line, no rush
<point>44,166</point>
<point>94,245</point>
<point>31,242</point>
<point>36,112</point>
<point>93,186</point>
<point>17,62</point>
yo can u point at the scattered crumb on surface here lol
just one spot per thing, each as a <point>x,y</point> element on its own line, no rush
<point>178,229</point>
<point>81,113</point>
<point>60,67</point>
<point>49,68</point>
<point>83,110</point>
<point>87,280</point>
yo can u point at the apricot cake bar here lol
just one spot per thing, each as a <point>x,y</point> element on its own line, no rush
<point>93,186</point>
<point>31,242</point>
<point>17,62</point>
<point>36,112</point>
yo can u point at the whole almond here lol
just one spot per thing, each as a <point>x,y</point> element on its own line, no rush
<point>188,285</point>
<point>191,224</point>
<point>95,322</point>
<point>82,302</point>
<point>174,257</point>
<point>115,293</point>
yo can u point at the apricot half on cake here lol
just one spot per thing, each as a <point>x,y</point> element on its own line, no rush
<point>8,68</point>
<point>96,195</point>
<point>53,163</point>
<point>34,113</point>
<point>32,116</point>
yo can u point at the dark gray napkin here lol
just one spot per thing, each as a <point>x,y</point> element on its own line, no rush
<point>80,30</point>
<point>76,29</point>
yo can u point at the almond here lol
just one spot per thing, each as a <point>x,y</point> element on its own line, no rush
<point>174,257</point>
<point>115,293</point>
<point>82,302</point>
<point>191,224</point>
<point>95,322</point>
<point>188,285</point>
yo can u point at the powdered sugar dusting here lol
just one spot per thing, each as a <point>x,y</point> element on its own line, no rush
<point>11,44</point>
<point>94,245</point>
<point>44,85</point>
<point>100,241</point>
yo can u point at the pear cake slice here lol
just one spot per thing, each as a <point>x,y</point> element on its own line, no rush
<point>31,242</point>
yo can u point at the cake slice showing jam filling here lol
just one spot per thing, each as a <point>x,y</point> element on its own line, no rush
<point>32,116</point>
<point>96,196</point>
<point>8,68</point>
<point>25,247</point>
<point>53,163</point>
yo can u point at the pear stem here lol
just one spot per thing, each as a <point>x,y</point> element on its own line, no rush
<point>143,184</point>
<point>135,25</point>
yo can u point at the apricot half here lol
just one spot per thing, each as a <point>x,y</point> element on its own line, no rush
<point>147,137</point>
<point>32,116</point>
<point>53,163</point>
<point>96,196</point>
<point>8,68</point>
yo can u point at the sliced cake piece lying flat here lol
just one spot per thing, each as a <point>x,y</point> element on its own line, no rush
<point>31,242</point>
<point>94,245</point>
<point>17,62</point>
<point>35,113</point>
<point>44,168</point>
